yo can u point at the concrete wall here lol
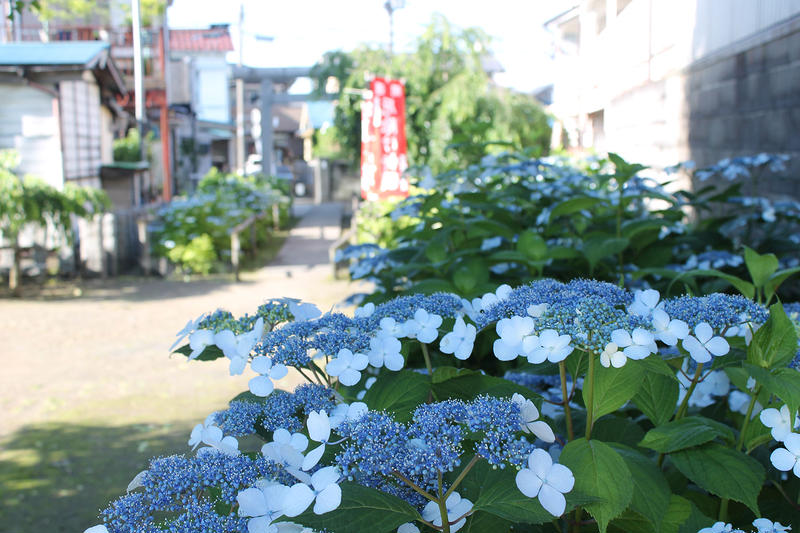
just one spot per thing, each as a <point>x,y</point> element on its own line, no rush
<point>746,99</point>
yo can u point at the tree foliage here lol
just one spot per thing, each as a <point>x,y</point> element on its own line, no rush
<point>32,201</point>
<point>450,99</point>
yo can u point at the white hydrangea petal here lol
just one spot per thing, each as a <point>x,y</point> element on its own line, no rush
<point>237,366</point>
<point>621,338</point>
<point>281,436</point>
<point>783,459</point>
<point>408,527</point>
<point>324,477</point>
<point>359,362</point>
<point>394,361</point>
<point>528,483</point>
<point>260,524</point>
<point>792,443</point>
<point>261,386</point>
<point>504,351</point>
<point>552,500</point>
<point>252,502</point>
<point>319,427</point>
<point>703,332</point>
<point>431,511</point>
<point>261,364</point>
<point>561,478</point>
<point>298,499</point>
<point>718,346</point>
<point>540,462</point>
<point>299,442</point>
<point>312,458</point>
<point>349,377</point>
<point>329,499</point>
<point>336,366</point>
<point>696,350</point>
<point>279,371</point>
<point>542,430</point>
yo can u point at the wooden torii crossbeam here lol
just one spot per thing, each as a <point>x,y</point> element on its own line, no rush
<point>268,77</point>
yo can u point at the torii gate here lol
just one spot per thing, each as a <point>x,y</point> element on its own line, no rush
<point>268,77</point>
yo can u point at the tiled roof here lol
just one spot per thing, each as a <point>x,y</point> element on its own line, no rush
<point>206,40</point>
<point>58,53</point>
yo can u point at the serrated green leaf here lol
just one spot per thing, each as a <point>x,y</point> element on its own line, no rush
<point>399,393</point>
<point>482,522</point>
<point>363,510</point>
<point>782,382</point>
<point>775,343</point>
<point>760,267</point>
<point>467,387</point>
<point>651,492</point>
<point>685,433</point>
<point>495,492</point>
<point>573,205</point>
<point>612,428</point>
<point>723,472</point>
<point>600,472</point>
<point>613,388</point>
<point>532,245</point>
<point>776,280</point>
<point>747,289</point>
<point>597,248</point>
<point>209,353</point>
<point>657,397</point>
<point>443,373</point>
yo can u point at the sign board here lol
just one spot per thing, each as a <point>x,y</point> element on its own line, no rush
<point>383,141</point>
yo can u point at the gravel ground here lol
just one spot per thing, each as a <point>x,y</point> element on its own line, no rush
<point>88,391</point>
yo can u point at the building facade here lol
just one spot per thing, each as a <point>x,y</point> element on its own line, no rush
<point>666,81</point>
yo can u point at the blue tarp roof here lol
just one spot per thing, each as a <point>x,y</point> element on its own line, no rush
<point>57,53</point>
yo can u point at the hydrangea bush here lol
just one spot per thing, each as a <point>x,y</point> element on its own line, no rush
<point>513,219</point>
<point>552,406</point>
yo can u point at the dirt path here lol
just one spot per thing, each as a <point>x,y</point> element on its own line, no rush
<point>87,382</point>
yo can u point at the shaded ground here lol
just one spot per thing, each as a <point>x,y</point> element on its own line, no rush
<point>89,393</point>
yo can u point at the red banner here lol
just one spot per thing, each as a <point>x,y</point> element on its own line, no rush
<point>383,141</point>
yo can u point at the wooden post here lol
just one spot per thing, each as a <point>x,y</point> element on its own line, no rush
<point>144,241</point>
<point>276,217</point>
<point>15,275</point>
<point>101,246</point>
<point>235,254</point>
<point>253,238</point>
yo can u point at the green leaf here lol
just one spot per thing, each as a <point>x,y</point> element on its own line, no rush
<point>209,353</point>
<point>782,382</point>
<point>443,373</point>
<point>507,256</point>
<point>532,245</point>
<point>776,280</point>
<point>747,289</point>
<point>760,267</point>
<point>363,510</point>
<point>685,433</point>
<point>613,387</point>
<point>723,472</point>
<point>682,516</point>
<point>482,522</point>
<point>467,387</point>
<point>430,286</point>
<point>650,490</point>
<point>611,428</point>
<point>573,205</point>
<point>602,473</point>
<point>657,397</point>
<point>597,248</point>
<point>495,491</point>
<point>398,392</point>
<point>775,343</point>
<point>464,279</point>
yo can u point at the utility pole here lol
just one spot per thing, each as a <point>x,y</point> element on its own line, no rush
<point>138,79</point>
<point>392,6</point>
<point>240,147</point>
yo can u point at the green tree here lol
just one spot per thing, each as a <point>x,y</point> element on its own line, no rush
<point>450,100</point>
<point>30,201</point>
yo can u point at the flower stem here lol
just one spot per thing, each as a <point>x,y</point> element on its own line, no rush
<point>590,402</point>
<point>427,357</point>
<point>562,370</point>
<point>461,476</point>
<point>414,486</point>
<point>443,506</point>
<point>723,505</point>
<point>685,403</point>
